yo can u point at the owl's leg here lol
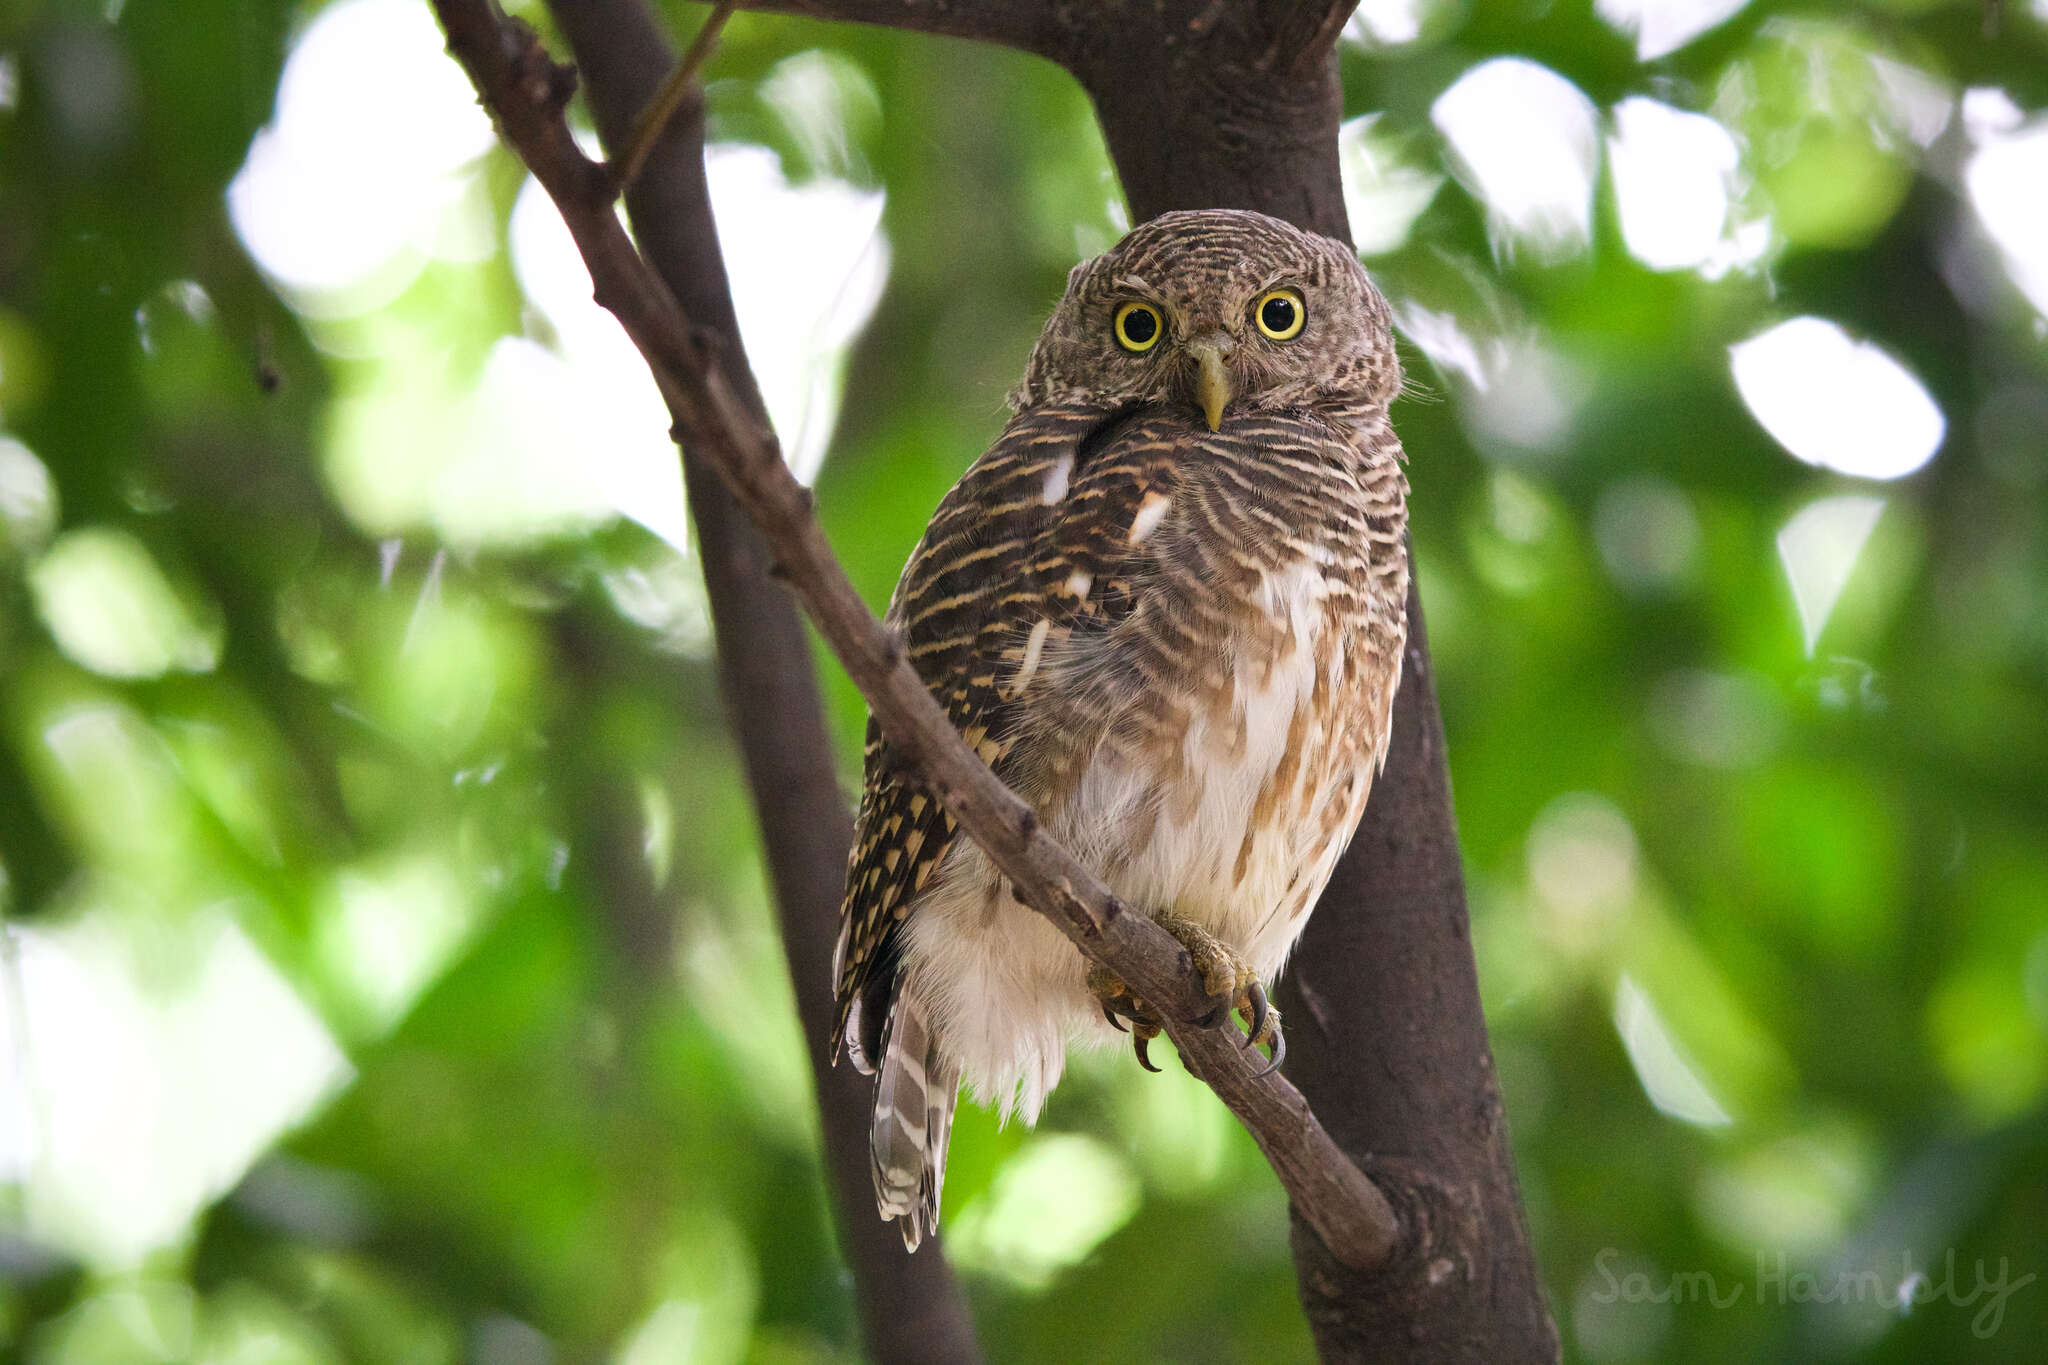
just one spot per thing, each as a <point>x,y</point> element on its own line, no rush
<point>1225,976</point>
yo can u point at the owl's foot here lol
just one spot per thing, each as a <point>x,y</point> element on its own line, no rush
<point>1225,976</point>
<point>1233,983</point>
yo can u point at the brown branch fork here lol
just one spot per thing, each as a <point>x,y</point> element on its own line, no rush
<point>708,400</point>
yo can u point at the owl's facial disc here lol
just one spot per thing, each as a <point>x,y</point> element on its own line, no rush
<point>1305,326</point>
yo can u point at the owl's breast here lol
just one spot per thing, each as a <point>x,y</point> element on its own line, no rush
<point>1219,747</point>
<point>1196,710</point>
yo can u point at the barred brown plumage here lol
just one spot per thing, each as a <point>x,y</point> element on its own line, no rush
<point>1167,607</point>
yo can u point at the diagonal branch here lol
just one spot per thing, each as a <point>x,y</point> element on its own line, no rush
<point>702,381</point>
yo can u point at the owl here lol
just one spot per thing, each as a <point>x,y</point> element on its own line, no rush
<point>1168,607</point>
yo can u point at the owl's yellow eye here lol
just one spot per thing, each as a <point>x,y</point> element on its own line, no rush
<point>1138,327</point>
<point>1281,314</point>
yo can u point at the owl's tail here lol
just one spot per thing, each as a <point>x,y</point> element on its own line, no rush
<point>912,1123</point>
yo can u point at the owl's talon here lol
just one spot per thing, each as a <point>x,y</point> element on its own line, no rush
<point>1279,1054</point>
<point>1257,1012</point>
<point>1265,1027</point>
<point>1116,1000</point>
<point>1138,1041</point>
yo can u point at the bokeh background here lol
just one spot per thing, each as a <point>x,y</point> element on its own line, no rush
<point>387,973</point>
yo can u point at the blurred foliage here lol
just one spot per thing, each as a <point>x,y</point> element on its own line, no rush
<point>388,972</point>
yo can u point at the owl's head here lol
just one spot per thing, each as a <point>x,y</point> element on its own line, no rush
<point>1225,310</point>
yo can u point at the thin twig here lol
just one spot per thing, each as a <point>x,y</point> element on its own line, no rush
<point>654,120</point>
<point>527,92</point>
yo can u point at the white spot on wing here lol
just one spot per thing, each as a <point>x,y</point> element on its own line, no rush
<point>1056,480</point>
<point>1150,513</point>
<point>1032,648</point>
<point>1078,584</point>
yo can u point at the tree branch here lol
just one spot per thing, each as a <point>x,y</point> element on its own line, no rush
<point>702,383</point>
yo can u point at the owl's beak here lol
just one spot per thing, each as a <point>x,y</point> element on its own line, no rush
<point>1212,380</point>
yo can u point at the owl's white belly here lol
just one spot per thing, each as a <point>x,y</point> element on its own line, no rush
<point>1241,841</point>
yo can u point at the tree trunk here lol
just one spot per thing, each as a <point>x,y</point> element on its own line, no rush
<point>1387,1040</point>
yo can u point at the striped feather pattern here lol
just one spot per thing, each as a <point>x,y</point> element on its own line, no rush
<point>915,1095</point>
<point>1180,645</point>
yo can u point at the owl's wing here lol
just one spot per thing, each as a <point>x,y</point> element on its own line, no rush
<point>1034,539</point>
